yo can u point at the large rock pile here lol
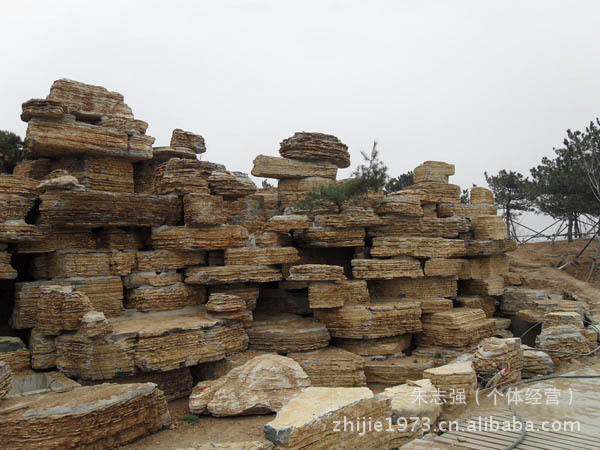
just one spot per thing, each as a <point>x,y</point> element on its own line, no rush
<point>135,263</point>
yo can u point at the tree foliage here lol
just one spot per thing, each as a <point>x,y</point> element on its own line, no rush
<point>11,150</point>
<point>335,194</point>
<point>400,182</point>
<point>512,192</point>
<point>373,172</point>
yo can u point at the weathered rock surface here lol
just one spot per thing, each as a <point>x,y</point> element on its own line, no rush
<point>213,238</point>
<point>309,420</point>
<point>374,320</point>
<point>373,269</point>
<point>395,369</point>
<point>494,354</point>
<point>385,346</point>
<point>316,272</point>
<point>332,367</point>
<point>421,288</point>
<point>71,419</point>
<point>331,237</point>
<point>563,338</point>
<point>105,294</point>
<point>5,379</point>
<point>187,139</point>
<point>226,306</point>
<point>201,210</point>
<point>60,309</point>
<point>231,184</point>
<point>90,209</point>
<point>320,147</point>
<point>262,385</point>
<point>417,247</point>
<point>14,353</point>
<point>286,333</point>
<point>536,362</point>
<point>261,256</point>
<point>403,400</point>
<point>451,378</point>
<point>333,294</point>
<point>287,223</point>
<point>283,168</point>
<point>437,171</point>
<point>163,298</point>
<point>457,328</point>
<point>232,274</point>
<point>441,267</point>
<point>489,227</point>
<point>181,176</point>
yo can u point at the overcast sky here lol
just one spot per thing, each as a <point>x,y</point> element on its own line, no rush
<point>485,85</point>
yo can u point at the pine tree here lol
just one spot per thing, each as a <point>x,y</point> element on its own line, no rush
<point>512,192</point>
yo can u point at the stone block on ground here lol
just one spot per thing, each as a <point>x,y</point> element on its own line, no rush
<point>318,147</point>
<point>332,367</point>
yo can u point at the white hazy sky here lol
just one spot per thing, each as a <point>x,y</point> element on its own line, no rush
<point>485,85</point>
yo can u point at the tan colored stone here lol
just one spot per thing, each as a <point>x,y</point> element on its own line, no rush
<point>261,256</point>
<point>384,346</point>
<point>395,369</point>
<point>375,320</point>
<point>163,298</point>
<point>420,247</point>
<point>421,288</point>
<point>226,306</point>
<point>437,171</point>
<point>282,168</point>
<point>287,223</point>
<point>403,400</point>
<point>14,353</point>
<point>489,227</point>
<point>232,274</point>
<point>262,385</point>
<point>333,294</point>
<point>481,196</point>
<point>201,210</point>
<point>316,272</point>
<point>373,269</point>
<point>231,184</point>
<point>181,176</point>
<point>332,237</point>
<point>213,238</point>
<point>319,147</point>
<point>441,267</point>
<point>189,140</point>
<point>448,228</point>
<point>286,333</point>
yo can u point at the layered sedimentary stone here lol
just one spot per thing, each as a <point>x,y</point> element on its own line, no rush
<point>437,171</point>
<point>286,333</point>
<point>149,342</point>
<point>562,338</point>
<point>201,210</point>
<point>481,196</point>
<point>287,223</point>
<point>84,263</point>
<point>248,292</point>
<point>320,147</point>
<point>456,328</point>
<point>43,350</point>
<point>434,192</point>
<point>316,272</point>
<point>536,362</point>
<point>187,139</point>
<point>349,217</point>
<point>232,274</point>
<point>309,420</point>
<point>373,269</point>
<point>487,286</point>
<point>489,247</point>
<point>395,369</point>
<point>105,294</point>
<point>489,227</point>
<point>441,267</point>
<point>46,109</point>
<point>333,294</point>
<point>404,404</point>
<point>88,101</point>
<point>113,238</point>
<point>484,267</point>
<point>181,176</point>
<point>291,191</point>
<point>226,306</point>
<point>99,174</point>
<point>70,419</point>
<point>213,238</point>
<point>59,138</point>
<point>19,232</point>
<point>17,185</point>
<point>333,237</point>
<point>451,378</point>
<point>163,298</point>
<point>385,346</point>
<point>5,379</point>
<point>421,288</point>
<point>14,353</point>
<point>262,385</point>
<point>60,309</point>
<point>14,207</point>
<point>448,228</point>
<point>59,238</point>
<point>332,366</point>
<point>231,184</point>
<point>261,256</point>
<point>155,279</point>
<point>468,211</point>
<point>486,303</point>
<point>375,320</point>
<point>283,168</point>
<point>494,354</point>
<point>420,247</point>
<point>164,260</point>
<point>399,204</point>
<point>7,272</point>
<point>90,209</point>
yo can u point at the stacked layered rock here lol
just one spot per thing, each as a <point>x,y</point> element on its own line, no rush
<point>5,379</point>
<point>494,355</point>
<point>142,264</point>
<point>453,379</point>
<point>536,362</point>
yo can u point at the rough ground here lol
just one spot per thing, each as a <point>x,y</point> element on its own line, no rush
<point>534,262</point>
